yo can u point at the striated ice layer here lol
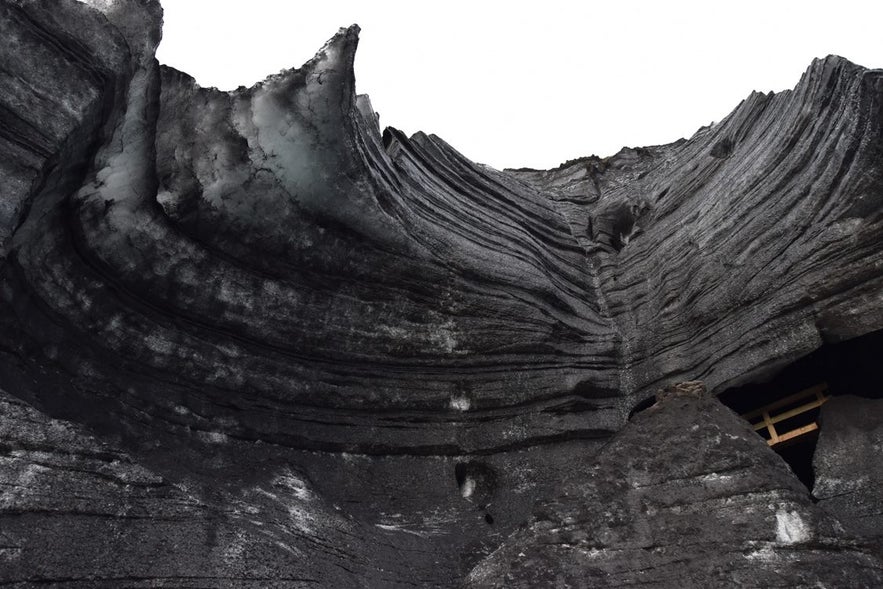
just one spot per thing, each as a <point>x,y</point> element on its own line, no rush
<point>250,339</point>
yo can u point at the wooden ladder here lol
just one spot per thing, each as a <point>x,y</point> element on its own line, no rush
<point>766,416</point>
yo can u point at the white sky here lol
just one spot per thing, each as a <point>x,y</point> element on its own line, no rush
<point>533,83</point>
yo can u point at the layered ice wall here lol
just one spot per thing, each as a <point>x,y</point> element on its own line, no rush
<point>313,352</point>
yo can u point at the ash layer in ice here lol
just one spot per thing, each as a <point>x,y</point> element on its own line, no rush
<point>248,339</point>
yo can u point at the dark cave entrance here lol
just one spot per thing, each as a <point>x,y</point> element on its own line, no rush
<point>792,398</point>
<point>642,406</point>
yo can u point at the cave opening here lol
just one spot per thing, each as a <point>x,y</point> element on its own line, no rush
<point>784,409</point>
<point>642,406</point>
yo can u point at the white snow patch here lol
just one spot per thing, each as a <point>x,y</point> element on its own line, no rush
<point>350,457</point>
<point>303,519</point>
<point>460,403</point>
<point>294,484</point>
<point>214,437</point>
<point>468,487</point>
<point>714,477</point>
<point>300,517</point>
<point>790,528</point>
<point>102,5</point>
<point>765,554</point>
<point>391,528</point>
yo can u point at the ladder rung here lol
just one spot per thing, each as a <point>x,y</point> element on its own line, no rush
<point>789,414</point>
<point>817,390</point>
<point>794,433</point>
